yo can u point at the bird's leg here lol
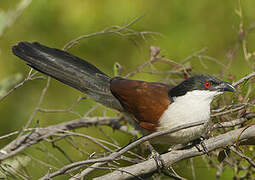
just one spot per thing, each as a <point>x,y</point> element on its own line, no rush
<point>200,141</point>
<point>156,156</point>
<point>196,142</point>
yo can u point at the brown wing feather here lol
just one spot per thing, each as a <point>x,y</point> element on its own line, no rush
<point>145,101</point>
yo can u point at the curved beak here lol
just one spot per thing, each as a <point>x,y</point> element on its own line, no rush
<point>224,86</point>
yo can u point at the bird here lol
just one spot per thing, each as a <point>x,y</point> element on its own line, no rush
<point>153,106</point>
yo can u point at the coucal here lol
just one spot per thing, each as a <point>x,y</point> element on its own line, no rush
<point>154,106</point>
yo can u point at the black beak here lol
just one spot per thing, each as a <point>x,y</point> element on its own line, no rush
<point>224,86</point>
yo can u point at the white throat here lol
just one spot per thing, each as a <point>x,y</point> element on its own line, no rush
<point>192,107</point>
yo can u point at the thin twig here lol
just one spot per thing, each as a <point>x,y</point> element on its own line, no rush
<point>245,78</point>
<point>243,156</point>
<point>12,15</point>
<point>118,30</point>
<point>68,110</point>
<point>37,107</point>
<point>201,51</point>
<point>28,78</point>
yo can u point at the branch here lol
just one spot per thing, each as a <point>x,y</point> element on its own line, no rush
<point>122,31</point>
<point>243,156</point>
<point>30,77</point>
<point>11,15</point>
<point>115,155</point>
<point>172,157</point>
<point>244,79</point>
<point>38,134</point>
<point>37,107</point>
<point>235,122</point>
<point>155,57</point>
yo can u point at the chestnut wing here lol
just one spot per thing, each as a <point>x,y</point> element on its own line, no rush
<point>145,101</point>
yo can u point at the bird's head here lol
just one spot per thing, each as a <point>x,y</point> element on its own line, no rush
<point>203,85</point>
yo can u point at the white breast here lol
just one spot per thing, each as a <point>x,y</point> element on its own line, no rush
<point>192,107</point>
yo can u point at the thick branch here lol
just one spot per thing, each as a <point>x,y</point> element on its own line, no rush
<point>113,156</point>
<point>172,157</point>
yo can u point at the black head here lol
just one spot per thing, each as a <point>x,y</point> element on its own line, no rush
<point>201,82</point>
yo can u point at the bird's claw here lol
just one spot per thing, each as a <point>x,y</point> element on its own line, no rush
<point>157,157</point>
<point>202,144</point>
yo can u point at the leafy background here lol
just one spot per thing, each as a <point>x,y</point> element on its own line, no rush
<point>187,26</point>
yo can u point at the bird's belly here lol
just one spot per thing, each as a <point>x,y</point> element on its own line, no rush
<point>183,136</point>
<point>174,117</point>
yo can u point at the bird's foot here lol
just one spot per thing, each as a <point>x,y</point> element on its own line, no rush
<point>200,141</point>
<point>156,156</point>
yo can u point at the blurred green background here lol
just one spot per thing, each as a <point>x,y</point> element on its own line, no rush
<point>187,26</point>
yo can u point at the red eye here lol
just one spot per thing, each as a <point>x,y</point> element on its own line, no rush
<point>207,84</point>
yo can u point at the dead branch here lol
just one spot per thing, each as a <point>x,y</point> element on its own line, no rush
<point>245,78</point>
<point>170,158</point>
<point>122,31</point>
<point>243,156</point>
<point>13,14</point>
<point>37,107</point>
<point>38,134</point>
<point>120,152</point>
<point>68,110</point>
<point>30,77</point>
<point>155,57</point>
<point>235,122</point>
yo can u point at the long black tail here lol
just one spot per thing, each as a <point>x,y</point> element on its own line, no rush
<point>68,69</point>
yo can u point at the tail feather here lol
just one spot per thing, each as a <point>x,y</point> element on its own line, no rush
<point>68,69</point>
